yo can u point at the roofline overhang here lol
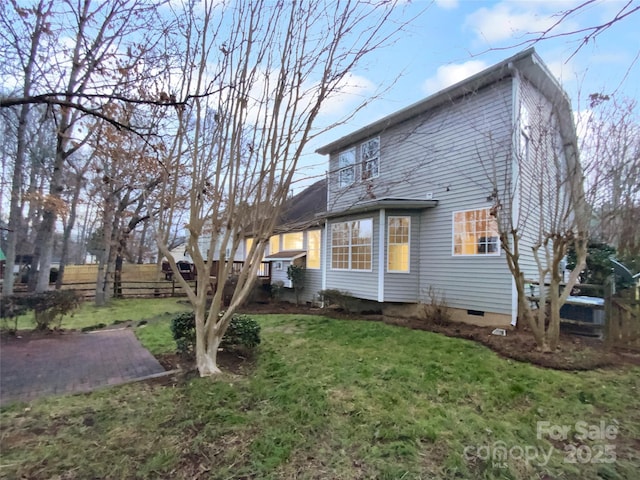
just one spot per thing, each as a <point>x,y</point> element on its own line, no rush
<point>383,203</point>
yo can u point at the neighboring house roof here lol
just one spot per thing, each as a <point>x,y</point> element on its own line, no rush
<point>527,62</point>
<point>286,255</point>
<point>301,211</point>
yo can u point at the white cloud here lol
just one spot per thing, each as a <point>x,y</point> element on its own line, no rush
<point>447,75</point>
<point>519,20</point>
<point>447,4</point>
<point>352,89</point>
<point>505,20</point>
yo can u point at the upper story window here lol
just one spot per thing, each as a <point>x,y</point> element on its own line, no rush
<point>370,153</point>
<point>347,168</point>
<point>398,244</point>
<point>313,249</point>
<point>351,245</point>
<point>475,232</point>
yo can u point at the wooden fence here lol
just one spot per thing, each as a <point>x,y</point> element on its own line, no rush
<point>621,325</point>
<point>623,319</point>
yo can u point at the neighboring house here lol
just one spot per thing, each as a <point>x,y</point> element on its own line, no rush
<point>297,240</point>
<point>409,196</point>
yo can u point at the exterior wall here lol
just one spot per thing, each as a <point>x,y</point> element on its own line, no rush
<point>530,187</point>
<point>453,154</point>
<point>312,279</point>
<point>357,283</point>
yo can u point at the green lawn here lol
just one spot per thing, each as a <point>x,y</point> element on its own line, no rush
<point>120,310</point>
<point>335,399</point>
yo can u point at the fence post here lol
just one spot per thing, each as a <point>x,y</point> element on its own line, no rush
<point>173,287</point>
<point>609,289</point>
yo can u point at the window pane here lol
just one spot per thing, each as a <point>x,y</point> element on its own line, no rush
<point>274,244</point>
<point>313,249</point>
<point>475,232</point>
<point>292,241</point>
<point>370,152</point>
<point>398,244</point>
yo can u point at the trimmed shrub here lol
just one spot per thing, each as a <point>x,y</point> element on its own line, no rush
<point>242,332</point>
<point>48,307</point>
<point>340,298</point>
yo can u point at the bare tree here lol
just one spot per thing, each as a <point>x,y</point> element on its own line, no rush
<point>258,73</point>
<point>610,146</point>
<point>541,211</point>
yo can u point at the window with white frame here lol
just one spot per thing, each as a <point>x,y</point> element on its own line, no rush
<point>351,245</point>
<point>313,249</point>
<point>475,232</point>
<point>398,244</point>
<point>370,154</point>
<point>274,244</point>
<point>347,168</point>
<point>292,241</point>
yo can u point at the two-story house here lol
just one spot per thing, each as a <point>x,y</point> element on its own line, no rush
<point>409,196</point>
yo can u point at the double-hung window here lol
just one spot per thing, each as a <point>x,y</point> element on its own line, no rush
<point>475,232</point>
<point>313,249</point>
<point>398,244</point>
<point>370,154</point>
<point>347,168</point>
<point>351,245</point>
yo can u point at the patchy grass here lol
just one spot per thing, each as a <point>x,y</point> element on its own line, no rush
<point>118,310</point>
<point>334,399</point>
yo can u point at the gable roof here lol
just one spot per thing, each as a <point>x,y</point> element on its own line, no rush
<point>301,210</point>
<point>527,63</point>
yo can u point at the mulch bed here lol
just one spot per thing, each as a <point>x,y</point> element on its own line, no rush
<point>574,352</point>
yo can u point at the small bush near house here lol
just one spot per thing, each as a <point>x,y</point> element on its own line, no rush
<point>437,310</point>
<point>243,332</point>
<point>276,290</point>
<point>341,298</point>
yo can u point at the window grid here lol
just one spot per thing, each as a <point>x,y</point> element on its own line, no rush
<point>351,244</point>
<point>347,168</point>
<point>475,232</point>
<point>370,154</point>
<point>398,244</point>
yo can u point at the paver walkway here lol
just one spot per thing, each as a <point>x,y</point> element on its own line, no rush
<point>72,362</point>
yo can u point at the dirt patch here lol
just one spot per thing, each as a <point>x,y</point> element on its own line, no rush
<point>235,362</point>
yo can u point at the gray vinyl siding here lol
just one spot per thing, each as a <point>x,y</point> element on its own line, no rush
<point>403,286</point>
<point>280,275</point>
<point>312,285</point>
<point>455,153</point>
<point>358,283</point>
<point>539,108</point>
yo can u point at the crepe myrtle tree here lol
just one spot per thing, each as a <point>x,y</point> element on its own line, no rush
<point>541,210</point>
<point>257,74</point>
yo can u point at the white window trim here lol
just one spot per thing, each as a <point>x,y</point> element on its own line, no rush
<point>348,167</point>
<point>364,162</point>
<point>330,247</point>
<point>497,253</point>
<point>389,243</point>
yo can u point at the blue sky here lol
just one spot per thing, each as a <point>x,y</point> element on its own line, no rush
<point>454,39</point>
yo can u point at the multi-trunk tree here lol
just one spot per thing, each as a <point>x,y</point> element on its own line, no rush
<point>256,75</point>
